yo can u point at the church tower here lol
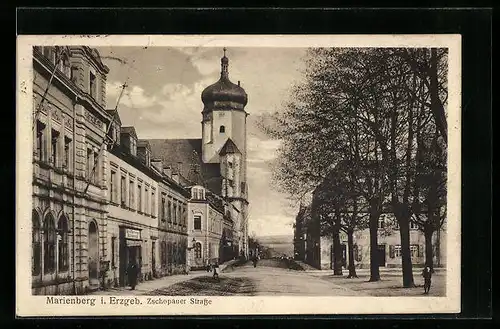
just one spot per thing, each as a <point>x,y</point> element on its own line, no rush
<point>224,134</point>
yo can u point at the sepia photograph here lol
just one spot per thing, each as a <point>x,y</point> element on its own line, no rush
<point>213,174</point>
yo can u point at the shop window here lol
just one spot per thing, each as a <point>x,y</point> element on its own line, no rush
<point>63,251</point>
<point>197,250</point>
<point>49,244</point>
<point>197,222</point>
<point>36,249</point>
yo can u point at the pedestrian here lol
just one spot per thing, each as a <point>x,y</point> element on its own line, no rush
<point>215,275</point>
<point>427,274</point>
<point>254,260</point>
<point>132,272</point>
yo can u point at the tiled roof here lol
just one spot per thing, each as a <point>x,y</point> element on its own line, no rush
<point>184,157</point>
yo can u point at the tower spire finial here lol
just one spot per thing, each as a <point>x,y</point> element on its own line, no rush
<point>224,73</point>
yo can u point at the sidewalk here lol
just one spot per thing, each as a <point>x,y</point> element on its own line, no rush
<point>146,286</point>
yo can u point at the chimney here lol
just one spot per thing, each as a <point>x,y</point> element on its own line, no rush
<point>167,171</point>
<point>238,83</point>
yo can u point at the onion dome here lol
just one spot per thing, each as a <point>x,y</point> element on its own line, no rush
<point>224,90</point>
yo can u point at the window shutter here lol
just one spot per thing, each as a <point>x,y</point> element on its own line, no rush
<point>391,251</point>
<point>420,251</point>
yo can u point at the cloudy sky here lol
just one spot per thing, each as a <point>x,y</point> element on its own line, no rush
<point>163,100</point>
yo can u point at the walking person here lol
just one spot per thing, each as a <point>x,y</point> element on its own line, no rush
<point>132,272</point>
<point>254,260</point>
<point>427,274</point>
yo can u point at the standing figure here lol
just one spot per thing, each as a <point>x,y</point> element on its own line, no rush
<point>132,272</point>
<point>215,275</point>
<point>427,274</point>
<point>254,260</point>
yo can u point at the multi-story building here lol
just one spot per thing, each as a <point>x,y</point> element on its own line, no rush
<point>210,228</point>
<point>389,245</point>
<point>172,224</point>
<point>69,173</point>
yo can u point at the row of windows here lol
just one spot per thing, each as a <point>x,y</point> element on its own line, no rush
<point>52,148</point>
<point>125,194</point>
<point>382,223</point>
<point>173,212</point>
<point>415,250</point>
<point>59,152</point>
<point>47,239</point>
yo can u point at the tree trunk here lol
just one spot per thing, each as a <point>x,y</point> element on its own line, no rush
<point>428,232</point>
<point>350,246</point>
<point>402,216</point>
<point>374,270</point>
<point>337,248</point>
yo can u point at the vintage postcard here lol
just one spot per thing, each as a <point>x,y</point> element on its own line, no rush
<point>238,174</point>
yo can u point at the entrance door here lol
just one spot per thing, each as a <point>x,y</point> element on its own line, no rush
<point>381,255</point>
<point>93,255</point>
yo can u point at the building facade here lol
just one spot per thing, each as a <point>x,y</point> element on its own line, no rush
<point>389,245</point>
<point>69,170</point>
<point>173,240</point>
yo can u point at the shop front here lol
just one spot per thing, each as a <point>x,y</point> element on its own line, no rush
<point>130,252</point>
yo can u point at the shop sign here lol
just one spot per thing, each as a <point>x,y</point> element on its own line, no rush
<point>132,234</point>
<point>133,243</point>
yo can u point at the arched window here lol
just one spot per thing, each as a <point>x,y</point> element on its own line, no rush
<point>222,129</point>
<point>49,244</point>
<point>63,259</point>
<point>197,250</point>
<point>36,249</point>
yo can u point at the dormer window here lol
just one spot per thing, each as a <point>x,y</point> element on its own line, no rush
<point>222,129</point>
<point>198,193</point>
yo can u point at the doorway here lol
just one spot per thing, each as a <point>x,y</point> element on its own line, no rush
<point>381,255</point>
<point>93,255</point>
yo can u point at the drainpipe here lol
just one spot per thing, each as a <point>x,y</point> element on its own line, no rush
<point>74,195</point>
